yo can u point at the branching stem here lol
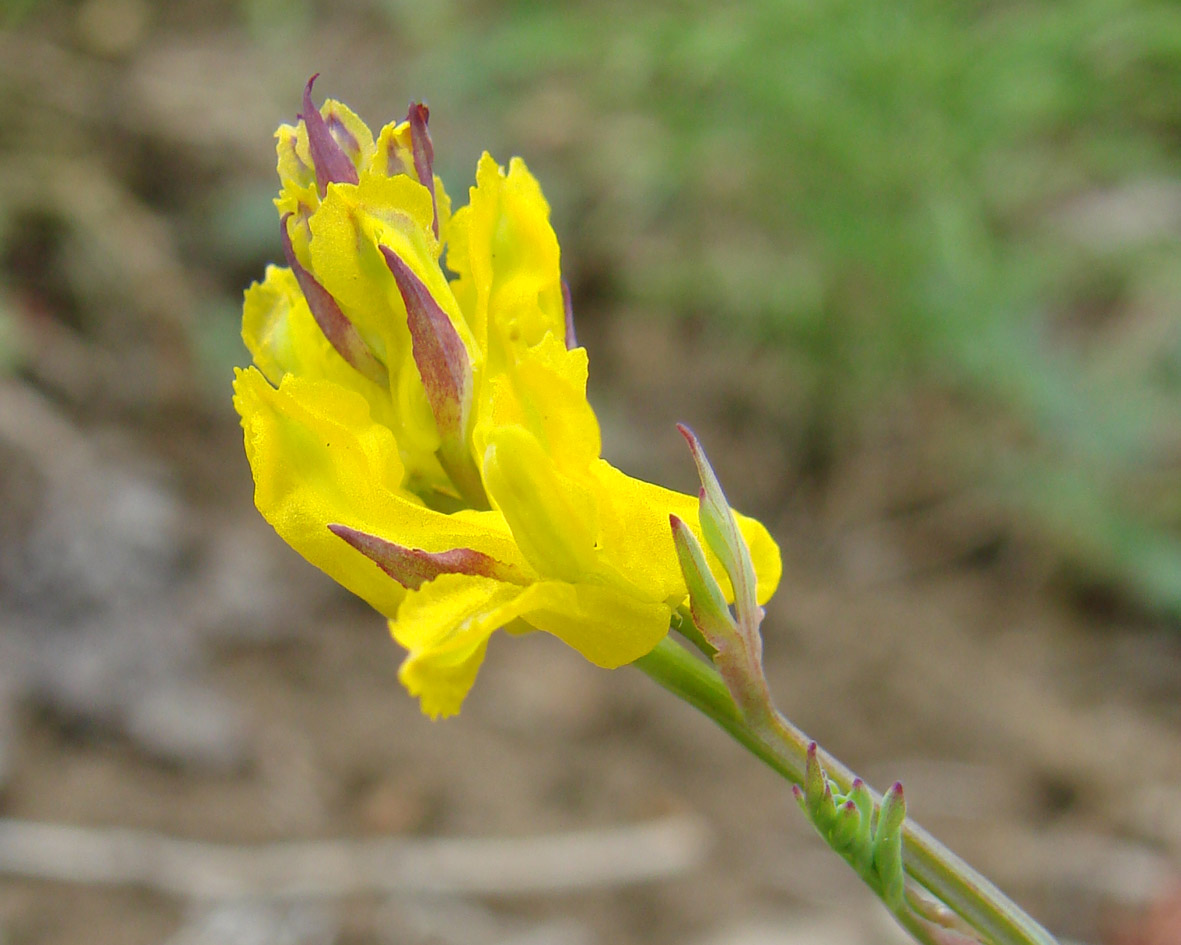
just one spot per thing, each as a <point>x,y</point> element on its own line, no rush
<point>930,866</point>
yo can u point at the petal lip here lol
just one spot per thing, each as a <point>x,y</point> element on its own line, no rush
<point>333,165</point>
<point>341,333</point>
<point>413,567</point>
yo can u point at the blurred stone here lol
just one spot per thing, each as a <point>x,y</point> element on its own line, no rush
<point>790,929</point>
<point>259,923</point>
<point>390,808</point>
<point>96,567</point>
<point>189,724</point>
<point>429,920</point>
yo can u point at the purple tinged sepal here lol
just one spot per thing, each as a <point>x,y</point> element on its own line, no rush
<point>341,333</point>
<point>707,603</point>
<point>332,164</point>
<point>439,352</point>
<point>446,371</point>
<point>424,153</point>
<point>738,645</point>
<point>412,567</point>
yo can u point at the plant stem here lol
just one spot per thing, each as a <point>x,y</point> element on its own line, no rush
<point>783,747</point>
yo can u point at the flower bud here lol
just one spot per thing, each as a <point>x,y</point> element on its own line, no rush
<point>707,603</point>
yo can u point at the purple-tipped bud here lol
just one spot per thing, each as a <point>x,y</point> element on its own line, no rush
<point>707,604</point>
<point>859,795</point>
<point>798,793</point>
<point>887,845</point>
<point>341,333</point>
<point>815,781</point>
<point>568,307</point>
<point>892,812</point>
<point>333,165</point>
<point>424,153</point>
<point>412,567</point>
<point>722,534</point>
<point>845,826</point>
<point>439,352</point>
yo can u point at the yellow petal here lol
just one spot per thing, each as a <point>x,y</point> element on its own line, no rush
<point>606,625</point>
<point>350,132</point>
<point>445,626</point>
<point>506,255</point>
<point>636,539</point>
<point>279,330</point>
<point>318,458</point>
<point>545,393</point>
<point>552,516</point>
<point>294,157</point>
<point>283,338</point>
<point>394,153</point>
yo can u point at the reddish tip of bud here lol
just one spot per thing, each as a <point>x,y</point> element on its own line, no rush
<point>424,153</point>
<point>896,789</point>
<point>858,784</point>
<point>331,162</point>
<point>568,307</point>
<point>797,792</point>
<point>812,748</point>
<point>849,807</point>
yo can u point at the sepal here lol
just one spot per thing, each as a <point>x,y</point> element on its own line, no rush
<point>413,567</point>
<point>721,532</point>
<point>341,333</point>
<point>332,164</point>
<point>707,604</point>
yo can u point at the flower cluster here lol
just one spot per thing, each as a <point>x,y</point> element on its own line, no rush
<point>422,433</point>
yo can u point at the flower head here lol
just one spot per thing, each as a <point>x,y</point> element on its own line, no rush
<point>426,440</point>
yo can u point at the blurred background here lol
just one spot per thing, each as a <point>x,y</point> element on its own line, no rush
<point>911,269</point>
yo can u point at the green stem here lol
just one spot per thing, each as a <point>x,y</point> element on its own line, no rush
<point>783,747</point>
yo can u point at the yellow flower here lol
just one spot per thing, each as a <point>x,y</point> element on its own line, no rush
<point>427,441</point>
